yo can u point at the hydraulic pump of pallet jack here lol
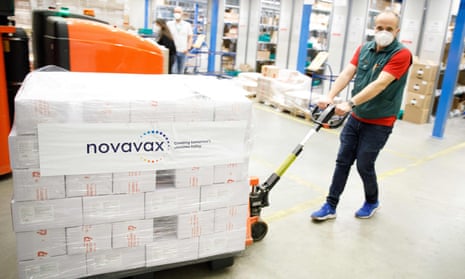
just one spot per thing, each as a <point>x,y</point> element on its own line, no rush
<point>322,118</point>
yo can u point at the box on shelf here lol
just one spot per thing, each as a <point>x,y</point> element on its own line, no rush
<point>425,70</point>
<point>263,55</point>
<point>415,114</point>
<point>420,86</point>
<point>418,100</point>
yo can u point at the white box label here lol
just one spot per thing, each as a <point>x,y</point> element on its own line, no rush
<point>89,148</point>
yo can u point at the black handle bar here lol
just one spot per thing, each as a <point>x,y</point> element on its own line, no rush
<point>326,118</point>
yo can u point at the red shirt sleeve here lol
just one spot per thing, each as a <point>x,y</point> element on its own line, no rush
<point>399,63</point>
<point>354,60</point>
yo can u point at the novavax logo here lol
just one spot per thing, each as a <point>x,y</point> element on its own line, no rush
<point>152,145</point>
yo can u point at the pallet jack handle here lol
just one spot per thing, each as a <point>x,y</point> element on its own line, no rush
<point>258,198</point>
<point>322,118</point>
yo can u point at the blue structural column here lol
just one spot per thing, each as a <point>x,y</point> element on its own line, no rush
<point>304,29</point>
<point>196,17</point>
<point>146,14</point>
<point>213,32</point>
<point>450,75</point>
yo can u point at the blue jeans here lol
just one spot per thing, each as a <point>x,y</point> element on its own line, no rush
<point>362,142</point>
<point>179,63</point>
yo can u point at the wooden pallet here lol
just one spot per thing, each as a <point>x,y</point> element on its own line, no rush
<point>296,112</point>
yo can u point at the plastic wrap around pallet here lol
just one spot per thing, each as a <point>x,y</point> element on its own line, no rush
<point>114,172</point>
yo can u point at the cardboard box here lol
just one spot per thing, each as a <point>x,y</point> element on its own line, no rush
<point>147,111</point>
<point>67,266</point>
<point>263,55</point>
<point>198,110</point>
<point>232,111</point>
<point>30,113</point>
<point>425,70</point>
<point>89,185</point>
<point>132,233</point>
<point>418,100</point>
<point>195,224</point>
<point>222,243</point>
<point>88,238</point>
<point>134,182</point>
<point>171,201</point>
<point>29,185</point>
<point>23,150</point>
<point>231,218</point>
<point>106,111</point>
<point>270,71</point>
<point>415,114</point>
<point>113,208</point>
<point>230,173</point>
<point>224,195</point>
<point>40,244</point>
<point>172,251</point>
<point>115,260</point>
<point>194,177</point>
<point>420,86</point>
<point>37,215</point>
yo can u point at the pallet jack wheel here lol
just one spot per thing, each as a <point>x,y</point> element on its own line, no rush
<point>259,230</point>
<point>221,263</point>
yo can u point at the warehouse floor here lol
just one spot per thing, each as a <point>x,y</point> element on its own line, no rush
<point>419,231</point>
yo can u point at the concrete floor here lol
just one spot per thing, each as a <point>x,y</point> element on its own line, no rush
<point>419,231</point>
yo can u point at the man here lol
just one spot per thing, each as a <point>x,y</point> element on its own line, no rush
<point>182,35</point>
<point>380,68</point>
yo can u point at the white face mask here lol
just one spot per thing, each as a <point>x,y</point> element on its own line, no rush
<point>156,29</point>
<point>177,15</point>
<point>383,38</point>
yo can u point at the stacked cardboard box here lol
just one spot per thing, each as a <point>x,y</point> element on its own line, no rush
<point>284,88</point>
<point>113,172</point>
<point>420,91</point>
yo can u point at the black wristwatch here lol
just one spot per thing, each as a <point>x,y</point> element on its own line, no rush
<point>351,104</point>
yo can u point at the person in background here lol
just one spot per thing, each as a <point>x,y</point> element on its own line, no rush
<point>380,68</point>
<point>164,38</point>
<point>182,35</point>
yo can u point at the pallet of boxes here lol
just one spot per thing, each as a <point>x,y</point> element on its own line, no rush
<point>286,90</point>
<point>420,91</point>
<point>124,174</point>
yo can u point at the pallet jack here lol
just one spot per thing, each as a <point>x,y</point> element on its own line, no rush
<point>259,194</point>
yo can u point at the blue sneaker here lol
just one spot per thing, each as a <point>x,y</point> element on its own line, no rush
<point>326,212</point>
<point>367,210</point>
